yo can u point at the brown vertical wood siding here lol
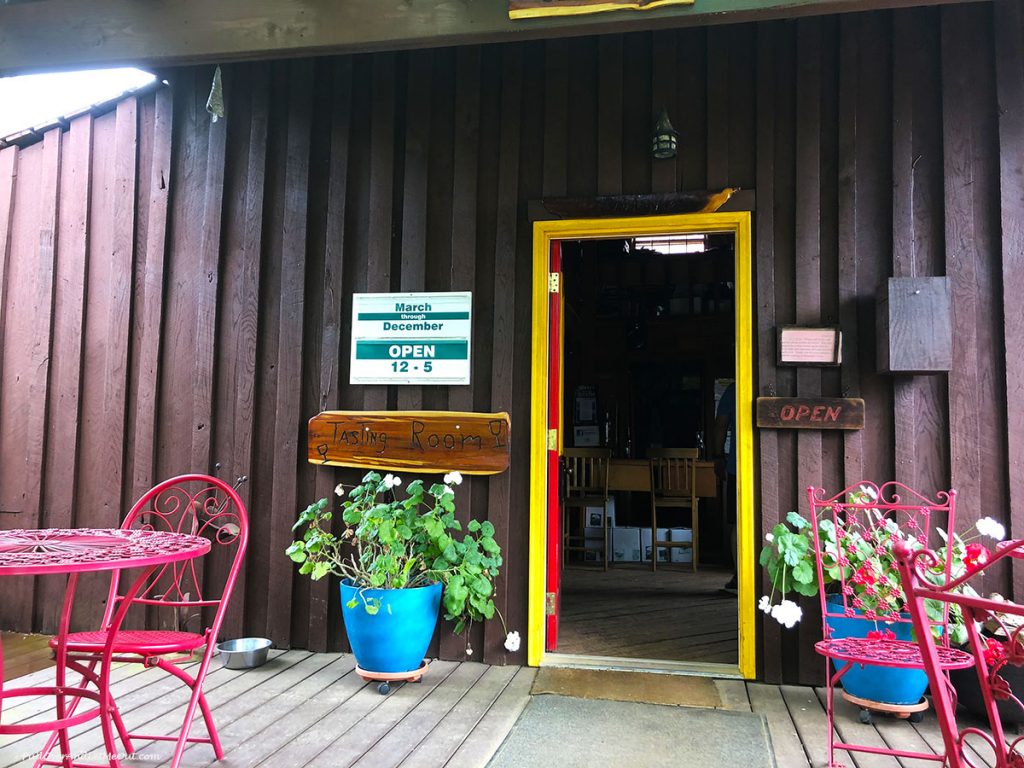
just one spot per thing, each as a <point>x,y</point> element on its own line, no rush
<point>176,293</point>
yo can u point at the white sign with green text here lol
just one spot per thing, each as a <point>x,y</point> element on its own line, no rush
<point>411,338</point>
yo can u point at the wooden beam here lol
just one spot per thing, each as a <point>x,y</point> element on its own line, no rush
<point>56,34</point>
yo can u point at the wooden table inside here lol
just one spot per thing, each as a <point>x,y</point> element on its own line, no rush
<point>635,475</point>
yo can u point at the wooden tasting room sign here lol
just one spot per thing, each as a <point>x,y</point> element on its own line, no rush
<point>533,9</point>
<point>412,441</point>
<point>810,413</point>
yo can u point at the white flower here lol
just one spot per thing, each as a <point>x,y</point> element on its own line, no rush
<point>868,491</point>
<point>787,613</point>
<point>339,489</point>
<point>453,478</point>
<point>391,481</point>
<point>989,527</point>
<point>469,650</point>
<point>512,642</point>
<point>764,604</point>
<point>769,537</point>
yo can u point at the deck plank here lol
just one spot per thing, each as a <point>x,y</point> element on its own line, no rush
<point>456,726</point>
<point>244,692</point>
<point>853,731</point>
<point>24,654</point>
<point>809,720</point>
<point>733,694</point>
<point>477,750</point>
<point>928,730</point>
<point>337,722</point>
<point>156,704</point>
<point>305,710</point>
<point>399,742</point>
<point>376,719</point>
<point>251,725</point>
<point>124,680</point>
<point>632,612</point>
<point>313,705</point>
<point>767,700</point>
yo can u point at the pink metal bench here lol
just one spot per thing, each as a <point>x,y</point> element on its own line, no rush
<point>961,743</point>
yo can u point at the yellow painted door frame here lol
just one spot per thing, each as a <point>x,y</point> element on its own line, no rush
<point>544,233</point>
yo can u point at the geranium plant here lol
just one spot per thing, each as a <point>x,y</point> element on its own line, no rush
<point>390,542</point>
<point>1002,642</point>
<point>865,566</point>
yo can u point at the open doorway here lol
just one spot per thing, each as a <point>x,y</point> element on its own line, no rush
<point>645,331</point>
<point>647,359</point>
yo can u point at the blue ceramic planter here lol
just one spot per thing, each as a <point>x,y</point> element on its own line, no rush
<point>888,685</point>
<point>395,638</point>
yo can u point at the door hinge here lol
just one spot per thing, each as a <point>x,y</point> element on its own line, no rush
<point>550,601</point>
<point>552,439</point>
<point>554,281</point>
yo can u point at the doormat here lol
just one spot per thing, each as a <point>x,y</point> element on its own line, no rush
<point>646,687</point>
<point>581,733</point>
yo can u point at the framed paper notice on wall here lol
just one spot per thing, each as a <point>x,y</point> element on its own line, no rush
<point>411,338</point>
<point>799,345</point>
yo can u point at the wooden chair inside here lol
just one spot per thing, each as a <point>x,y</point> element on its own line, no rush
<point>586,485</point>
<point>674,484</point>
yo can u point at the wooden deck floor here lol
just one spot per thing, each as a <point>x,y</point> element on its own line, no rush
<point>631,612</point>
<point>797,723</point>
<point>305,709</point>
<point>24,654</point>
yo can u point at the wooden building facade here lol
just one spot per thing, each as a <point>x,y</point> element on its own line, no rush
<point>175,292</point>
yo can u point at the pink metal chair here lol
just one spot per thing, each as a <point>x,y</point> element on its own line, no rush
<point>198,505</point>
<point>962,744</point>
<point>868,517</point>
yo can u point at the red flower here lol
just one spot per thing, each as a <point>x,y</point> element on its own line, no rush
<point>881,634</point>
<point>864,575</point>
<point>976,555</point>
<point>995,652</point>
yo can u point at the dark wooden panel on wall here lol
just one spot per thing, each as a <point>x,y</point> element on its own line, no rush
<point>69,304</point>
<point>216,263</point>
<point>1009,57</point>
<point>915,326</point>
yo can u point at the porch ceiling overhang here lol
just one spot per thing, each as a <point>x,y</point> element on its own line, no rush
<point>39,35</point>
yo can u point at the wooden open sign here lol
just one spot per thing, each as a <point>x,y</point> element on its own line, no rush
<point>412,441</point>
<point>810,413</point>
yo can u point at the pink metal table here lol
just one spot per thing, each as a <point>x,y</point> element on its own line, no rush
<point>39,552</point>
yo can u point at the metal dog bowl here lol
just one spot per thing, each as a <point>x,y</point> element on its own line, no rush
<point>244,653</point>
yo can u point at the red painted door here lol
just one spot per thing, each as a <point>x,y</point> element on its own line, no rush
<point>554,527</point>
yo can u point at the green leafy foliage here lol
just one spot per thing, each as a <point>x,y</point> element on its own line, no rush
<point>866,567</point>
<point>396,543</point>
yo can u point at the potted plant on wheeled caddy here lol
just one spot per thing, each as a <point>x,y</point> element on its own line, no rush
<point>400,560</point>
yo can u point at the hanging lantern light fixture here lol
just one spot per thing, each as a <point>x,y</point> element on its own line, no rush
<point>665,139</point>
